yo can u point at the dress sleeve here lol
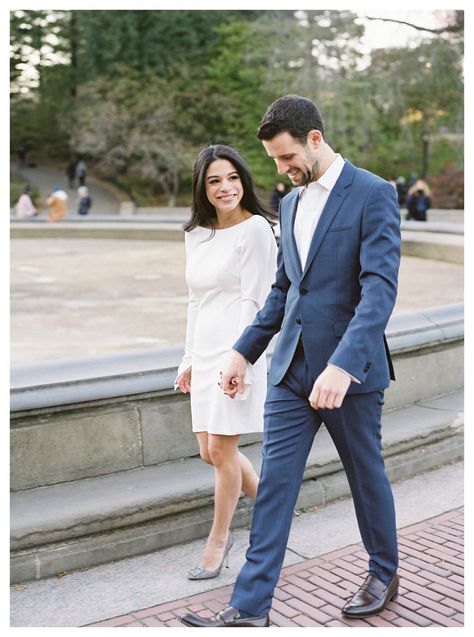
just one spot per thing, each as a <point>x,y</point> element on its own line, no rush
<point>257,252</point>
<point>193,308</point>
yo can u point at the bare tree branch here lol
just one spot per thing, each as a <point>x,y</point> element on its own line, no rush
<point>450,28</point>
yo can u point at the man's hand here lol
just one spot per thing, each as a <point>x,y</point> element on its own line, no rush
<point>232,377</point>
<point>329,389</point>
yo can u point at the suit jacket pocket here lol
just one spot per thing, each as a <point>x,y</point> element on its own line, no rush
<point>338,229</point>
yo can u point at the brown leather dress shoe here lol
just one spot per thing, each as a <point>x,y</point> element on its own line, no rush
<point>227,618</point>
<point>371,598</point>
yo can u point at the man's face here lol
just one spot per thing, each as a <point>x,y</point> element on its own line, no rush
<point>300,162</point>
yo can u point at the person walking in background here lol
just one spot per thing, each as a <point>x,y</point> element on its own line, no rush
<point>25,207</point>
<point>277,194</point>
<point>85,201</point>
<point>21,157</point>
<point>81,172</point>
<point>335,289</point>
<point>418,201</point>
<point>57,202</point>
<point>401,190</point>
<point>71,173</point>
<point>230,266</point>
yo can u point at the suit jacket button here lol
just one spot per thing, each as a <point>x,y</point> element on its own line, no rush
<point>367,367</point>
<point>298,321</point>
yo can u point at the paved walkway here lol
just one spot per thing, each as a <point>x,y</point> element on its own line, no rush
<point>67,296</point>
<point>153,580</point>
<point>311,593</point>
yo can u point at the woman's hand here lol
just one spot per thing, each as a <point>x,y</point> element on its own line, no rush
<point>183,381</point>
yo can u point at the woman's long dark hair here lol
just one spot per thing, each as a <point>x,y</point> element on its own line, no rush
<point>203,212</point>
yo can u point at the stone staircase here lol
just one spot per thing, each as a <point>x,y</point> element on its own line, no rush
<point>85,522</point>
<point>104,465</point>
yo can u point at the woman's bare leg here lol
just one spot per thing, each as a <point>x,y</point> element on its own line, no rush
<point>224,454</point>
<point>233,473</point>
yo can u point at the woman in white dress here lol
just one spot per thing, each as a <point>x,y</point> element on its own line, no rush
<point>230,266</point>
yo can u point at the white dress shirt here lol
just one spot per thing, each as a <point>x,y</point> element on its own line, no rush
<point>311,202</point>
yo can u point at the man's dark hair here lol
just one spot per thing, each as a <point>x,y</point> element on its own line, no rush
<point>291,114</point>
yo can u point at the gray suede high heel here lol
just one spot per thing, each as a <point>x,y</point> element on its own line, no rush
<point>197,572</point>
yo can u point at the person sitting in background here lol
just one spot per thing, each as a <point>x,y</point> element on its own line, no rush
<point>57,202</point>
<point>25,207</point>
<point>85,201</point>
<point>418,201</point>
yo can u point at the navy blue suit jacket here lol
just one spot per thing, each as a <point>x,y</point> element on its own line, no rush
<point>342,300</point>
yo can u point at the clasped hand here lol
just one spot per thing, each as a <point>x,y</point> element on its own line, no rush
<point>232,378</point>
<point>328,390</point>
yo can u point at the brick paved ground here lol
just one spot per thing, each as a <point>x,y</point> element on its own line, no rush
<point>312,593</point>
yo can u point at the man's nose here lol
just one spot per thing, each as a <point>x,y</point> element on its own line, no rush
<point>282,167</point>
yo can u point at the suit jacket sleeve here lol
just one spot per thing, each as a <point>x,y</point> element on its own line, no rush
<point>379,264</point>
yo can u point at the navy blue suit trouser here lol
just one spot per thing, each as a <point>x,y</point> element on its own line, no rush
<point>290,426</point>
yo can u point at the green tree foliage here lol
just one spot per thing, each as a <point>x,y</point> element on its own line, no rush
<point>138,92</point>
<point>238,92</point>
<point>258,61</point>
<point>169,43</point>
<point>128,128</point>
<point>414,92</point>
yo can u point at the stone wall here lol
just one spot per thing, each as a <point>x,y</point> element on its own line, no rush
<point>85,418</point>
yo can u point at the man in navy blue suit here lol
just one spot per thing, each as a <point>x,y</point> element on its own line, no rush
<point>335,288</point>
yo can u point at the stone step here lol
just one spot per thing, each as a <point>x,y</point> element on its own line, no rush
<point>97,520</point>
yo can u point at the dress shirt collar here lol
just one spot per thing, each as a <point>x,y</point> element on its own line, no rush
<point>328,178</point>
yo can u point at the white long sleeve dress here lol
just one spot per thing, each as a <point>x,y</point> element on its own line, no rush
<point>229,277</point>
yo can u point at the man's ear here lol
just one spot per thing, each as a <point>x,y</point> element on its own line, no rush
<point>315,137</point>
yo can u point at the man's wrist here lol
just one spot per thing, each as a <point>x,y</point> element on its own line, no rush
<point>356,380</point>
<point>239,355</point>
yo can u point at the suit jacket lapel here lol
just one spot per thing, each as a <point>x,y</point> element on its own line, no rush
<point>293,250</point>
<point>334,202</point>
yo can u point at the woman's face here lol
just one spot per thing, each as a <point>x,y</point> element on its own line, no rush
<point>224,188</point>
